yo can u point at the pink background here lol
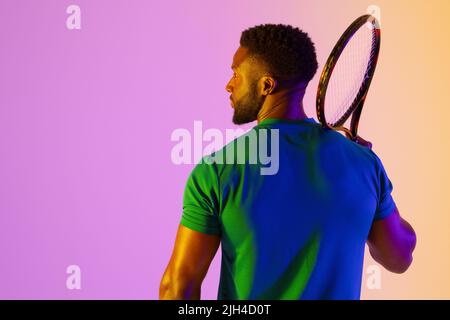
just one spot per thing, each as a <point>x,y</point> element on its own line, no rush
<point>86,116</point>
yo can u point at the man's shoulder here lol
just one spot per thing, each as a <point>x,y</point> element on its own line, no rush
<point>336,140</point>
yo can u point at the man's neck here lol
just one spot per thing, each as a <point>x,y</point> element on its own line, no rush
<point>284,105</point>
<point>288,111</point>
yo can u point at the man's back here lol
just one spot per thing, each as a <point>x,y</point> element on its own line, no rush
<point>299,233</point>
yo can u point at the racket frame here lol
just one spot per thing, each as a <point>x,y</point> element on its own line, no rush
<point>356,108</point>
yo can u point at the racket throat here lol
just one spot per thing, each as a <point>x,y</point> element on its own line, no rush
<point>348,133</point>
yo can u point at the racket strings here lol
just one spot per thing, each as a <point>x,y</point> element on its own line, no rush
<point>345,111</point>
<point>350,74</point>
<point>347,86</point>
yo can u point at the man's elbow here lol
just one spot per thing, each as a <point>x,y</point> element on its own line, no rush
<point>406,256</point>
<point>177,288</point>
<point>398,263</point>
<point>392,244</point>
<point>165,288</point>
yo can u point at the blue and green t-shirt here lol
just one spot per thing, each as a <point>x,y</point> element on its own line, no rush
<point>300,232</point>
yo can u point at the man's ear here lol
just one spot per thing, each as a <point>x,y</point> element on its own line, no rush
<point>270,85</point>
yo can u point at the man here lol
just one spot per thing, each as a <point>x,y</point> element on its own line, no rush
<point>299,233</point>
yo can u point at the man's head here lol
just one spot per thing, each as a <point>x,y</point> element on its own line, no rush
<point>270,58</point>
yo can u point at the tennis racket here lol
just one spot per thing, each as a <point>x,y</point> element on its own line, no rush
<point>347,75</point>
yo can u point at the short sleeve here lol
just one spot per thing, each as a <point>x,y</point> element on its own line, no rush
<point>201,199</point>
<point>385,204</point>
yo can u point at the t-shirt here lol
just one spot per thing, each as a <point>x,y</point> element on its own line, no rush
<point>298,229</point>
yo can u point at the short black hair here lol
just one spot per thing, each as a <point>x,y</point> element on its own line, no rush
<point>286,51</point>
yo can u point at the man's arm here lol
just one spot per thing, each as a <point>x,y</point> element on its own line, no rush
<point>191,257</point>
<point>391,242</point>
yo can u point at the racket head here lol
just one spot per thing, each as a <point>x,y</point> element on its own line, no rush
<point>347,75</point>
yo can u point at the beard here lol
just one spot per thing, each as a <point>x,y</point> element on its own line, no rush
<point>247,108</point>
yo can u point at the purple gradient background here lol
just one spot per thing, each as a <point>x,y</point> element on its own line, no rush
<point>85,126</point>
<point>86,116</point>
